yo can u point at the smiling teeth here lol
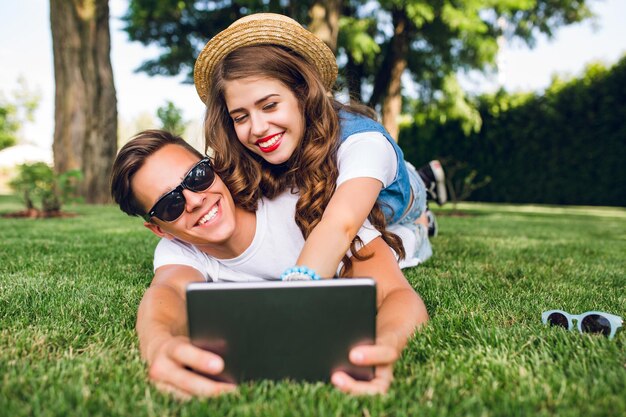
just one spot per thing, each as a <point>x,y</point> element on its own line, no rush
<point>270,142</point>
<point>212,213</point>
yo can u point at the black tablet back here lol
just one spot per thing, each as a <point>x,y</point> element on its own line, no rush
<point>301,330</point>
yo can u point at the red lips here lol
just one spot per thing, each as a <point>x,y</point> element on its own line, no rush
<point>270,148</point>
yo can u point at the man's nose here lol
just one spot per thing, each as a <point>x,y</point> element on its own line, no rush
<point>193,199</point>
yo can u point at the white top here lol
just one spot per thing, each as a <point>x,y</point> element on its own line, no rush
<point>275,247</point>
<point>367,154</point>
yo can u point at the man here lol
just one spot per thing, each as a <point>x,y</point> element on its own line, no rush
<point>206,236</point>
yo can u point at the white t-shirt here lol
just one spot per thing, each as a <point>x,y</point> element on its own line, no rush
<point>367,154</point>
<point>275,247</point>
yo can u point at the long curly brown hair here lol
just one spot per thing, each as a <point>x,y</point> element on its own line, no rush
<point>311,171</point>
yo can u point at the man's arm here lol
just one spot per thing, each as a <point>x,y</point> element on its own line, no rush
<point>401,312</point>
<point>163,340</point>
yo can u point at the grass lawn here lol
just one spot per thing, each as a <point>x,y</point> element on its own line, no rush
<point>69,291</point>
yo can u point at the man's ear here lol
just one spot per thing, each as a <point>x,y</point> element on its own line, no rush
<point>156,229</point>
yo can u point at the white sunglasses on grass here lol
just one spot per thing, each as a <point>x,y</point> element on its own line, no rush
<point>589,322</point>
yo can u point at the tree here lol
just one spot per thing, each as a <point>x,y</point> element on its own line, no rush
<point>15,112</point>
<point>85,133</point>
<point>171,118</point>
<point>182,27</point>
<point>432,40</point>
<point>381,41</point>
<point>324,21</point>
<point>8,125</point>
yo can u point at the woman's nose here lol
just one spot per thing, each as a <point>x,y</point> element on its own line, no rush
<point>259,125</point>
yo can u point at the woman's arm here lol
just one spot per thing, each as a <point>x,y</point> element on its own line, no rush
<point>162,331</point>
<point>345,214</point>
<point>367,163</point>
<point>401,312</point>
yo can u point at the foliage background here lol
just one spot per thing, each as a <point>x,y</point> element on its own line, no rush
<point>16,109</point>
<point>565,146</point>
<point>384,48</point>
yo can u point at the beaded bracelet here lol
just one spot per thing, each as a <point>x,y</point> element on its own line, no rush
<point>299,273</point>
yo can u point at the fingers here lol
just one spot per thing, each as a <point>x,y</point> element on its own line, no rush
<point>379,385</point>
<point>178,380</point>
<point>382,357</point>
<point>186,354</point>
<point>173,391</point>
<point>170,374</point>
<point>373,355</point>
<point>174,363</point>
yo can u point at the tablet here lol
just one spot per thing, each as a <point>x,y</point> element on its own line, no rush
<point>299,330</point>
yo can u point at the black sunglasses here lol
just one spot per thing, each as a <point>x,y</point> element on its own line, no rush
<point>172,205</point>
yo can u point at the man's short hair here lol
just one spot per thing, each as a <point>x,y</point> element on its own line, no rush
<point>131,158</point>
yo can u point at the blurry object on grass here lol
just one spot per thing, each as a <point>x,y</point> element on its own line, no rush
<point>43,191</point>
<point>462,180</point>
<point>12,157</point>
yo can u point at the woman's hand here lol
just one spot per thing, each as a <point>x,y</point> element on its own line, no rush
<point>172,365</point>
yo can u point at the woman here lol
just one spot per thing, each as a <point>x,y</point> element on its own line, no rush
<point>274,126</point>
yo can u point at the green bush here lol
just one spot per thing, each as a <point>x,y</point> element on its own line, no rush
<point>565,146</point>
<point>8,126</point>
<point>171,118</point>
<point>16,111</point>
<point>39,185</point>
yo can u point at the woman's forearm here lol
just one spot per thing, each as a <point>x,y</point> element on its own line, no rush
<point>324,249</point>
<point>346,212</point>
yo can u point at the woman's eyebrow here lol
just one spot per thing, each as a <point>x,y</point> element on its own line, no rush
<point>256,103</point>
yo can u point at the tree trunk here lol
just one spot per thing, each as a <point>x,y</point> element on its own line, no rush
<point>392,103</point>
<point>388,85</point>
<point>324,21</point>
<point>85,131</point>
<point>354,74</point>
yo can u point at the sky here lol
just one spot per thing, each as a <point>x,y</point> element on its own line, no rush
<point>26,51</point>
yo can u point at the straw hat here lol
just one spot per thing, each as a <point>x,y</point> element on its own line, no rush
<point>264,29</point>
